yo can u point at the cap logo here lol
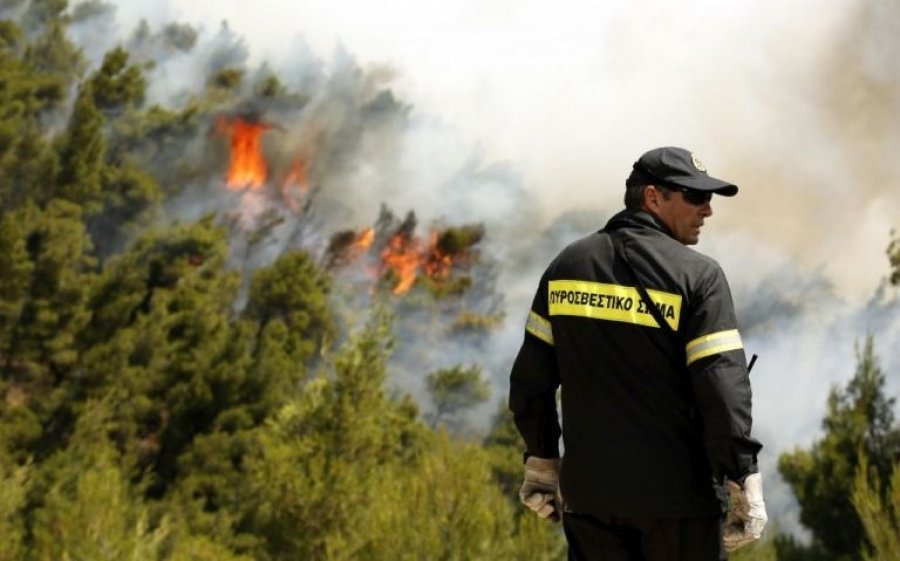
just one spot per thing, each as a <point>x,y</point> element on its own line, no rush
<point>697,163</point>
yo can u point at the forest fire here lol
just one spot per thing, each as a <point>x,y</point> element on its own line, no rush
<point>404,258</point>
<point>363,241</point>
<point>348,245</point>
<point>407,257</point>
<point>247,168</point>
<point>438,263</point>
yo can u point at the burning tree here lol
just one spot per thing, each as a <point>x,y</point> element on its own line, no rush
<point>247,168</point>
<point>402,259</point>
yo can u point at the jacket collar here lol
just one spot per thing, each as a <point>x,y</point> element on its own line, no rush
<point>639,219</point>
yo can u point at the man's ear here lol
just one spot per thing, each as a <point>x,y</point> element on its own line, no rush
<point>652,197</point>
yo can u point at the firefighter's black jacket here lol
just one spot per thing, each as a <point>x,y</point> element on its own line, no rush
<point>650,418</point>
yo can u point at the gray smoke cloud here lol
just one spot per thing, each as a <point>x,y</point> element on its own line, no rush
<point>536,141</point>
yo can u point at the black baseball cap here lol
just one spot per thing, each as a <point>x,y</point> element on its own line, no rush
<point>676,167</point>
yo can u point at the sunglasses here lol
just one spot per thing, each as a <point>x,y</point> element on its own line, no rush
<point>692,196</point>
<point>695,197</point>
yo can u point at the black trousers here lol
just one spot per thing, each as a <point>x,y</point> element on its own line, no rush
<point>611,538</point>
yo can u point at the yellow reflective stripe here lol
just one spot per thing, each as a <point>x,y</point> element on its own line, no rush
<point>611,302</point>
<point>712,344</point>
<point>539,327</point>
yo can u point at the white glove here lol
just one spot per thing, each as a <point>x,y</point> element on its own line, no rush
<point>746,513</point>
<point>539,490</point>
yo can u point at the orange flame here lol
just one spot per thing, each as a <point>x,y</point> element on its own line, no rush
<point>402,256</point>
<point>405,256</point>
<point>364,239</point>
<point>361,244</point>
<point>247,168</point>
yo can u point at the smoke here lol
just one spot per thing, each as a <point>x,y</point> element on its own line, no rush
<point>527,120</point>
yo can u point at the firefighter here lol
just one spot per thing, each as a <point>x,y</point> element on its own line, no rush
<point>639,332</point>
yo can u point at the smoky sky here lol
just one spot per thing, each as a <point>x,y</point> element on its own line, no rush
<point>527,119</point>
<point>800,111</point>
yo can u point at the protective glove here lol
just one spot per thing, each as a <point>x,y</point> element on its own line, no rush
<point>746,516</point>
<point>539,489</point>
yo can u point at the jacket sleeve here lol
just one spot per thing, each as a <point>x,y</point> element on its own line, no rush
<point>533,382</point>
<point>720,380</point>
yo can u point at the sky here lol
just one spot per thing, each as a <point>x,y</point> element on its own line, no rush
<point>798,103</point>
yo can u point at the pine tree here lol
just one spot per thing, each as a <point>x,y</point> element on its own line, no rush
<point>131,200</point>
<point>27,163</point>
<point>45,12</point>
<point>161,338</point>
<point>81,158</point>
<point>859,418</point>
<point>116,85</point>
<point>285,323</point>
<point>90,510</point>
<point>504,446</point>
<point>54,311</point>
<point>52,52</point>
<point>44,302</point>
<point>454,390</point>
<point>14,484</point>
<point>28,169</point>
<point>879,510</point>
<point>321,454</point>
<point>288,302</point>
<point>129,195</point>
<point>345,472</point>
<point>15,275</point>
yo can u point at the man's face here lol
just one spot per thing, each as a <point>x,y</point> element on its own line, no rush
<point>683,218</point>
